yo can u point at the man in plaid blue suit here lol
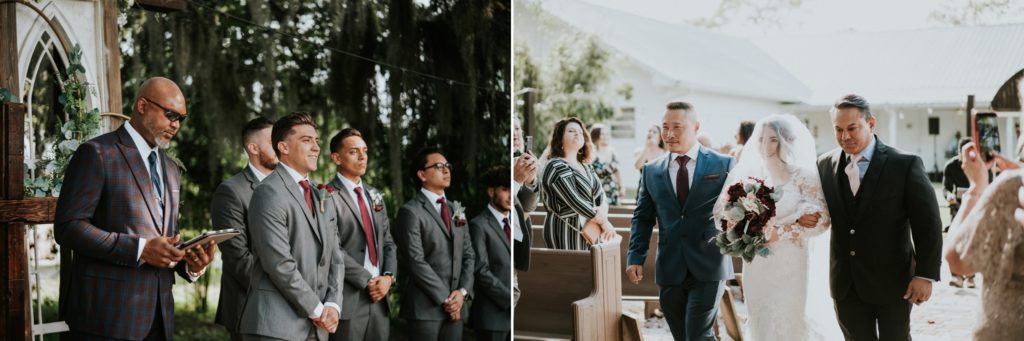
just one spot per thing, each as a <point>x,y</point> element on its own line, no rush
<point>118,214</point>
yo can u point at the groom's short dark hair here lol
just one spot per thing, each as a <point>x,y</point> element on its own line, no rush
<point>853,101</point>
<point>679,105</point>
<point>283,127</point>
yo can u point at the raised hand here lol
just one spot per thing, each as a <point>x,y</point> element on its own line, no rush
<point>162,252</point>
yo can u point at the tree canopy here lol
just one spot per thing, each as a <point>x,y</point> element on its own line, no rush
<point>407,74</point>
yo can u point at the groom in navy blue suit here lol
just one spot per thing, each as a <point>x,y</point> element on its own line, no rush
<point>678,191</point>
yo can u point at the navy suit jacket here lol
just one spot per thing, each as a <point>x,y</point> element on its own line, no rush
<point>106,204</point>
<point>685,242</point>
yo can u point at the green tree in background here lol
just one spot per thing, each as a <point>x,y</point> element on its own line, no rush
<point>439,75</point>
<point>578,87</point>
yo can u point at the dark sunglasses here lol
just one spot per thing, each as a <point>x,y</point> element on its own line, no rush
<point>438,166</point>
<point>172,115</point>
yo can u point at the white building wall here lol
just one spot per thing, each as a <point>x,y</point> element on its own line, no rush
<point>82,22</point>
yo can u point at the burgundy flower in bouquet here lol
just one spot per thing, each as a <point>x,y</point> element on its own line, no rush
<point>749,208</point>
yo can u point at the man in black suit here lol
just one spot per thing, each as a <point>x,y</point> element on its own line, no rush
<point>491,230</point>
<point>229,209</point>
<point>886,231</point>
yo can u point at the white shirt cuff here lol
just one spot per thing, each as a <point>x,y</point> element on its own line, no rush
<point>318,311</point>
<point>142,246</point>
<point>925,278</point>
<point>333,305</point>
<point>515,187</point>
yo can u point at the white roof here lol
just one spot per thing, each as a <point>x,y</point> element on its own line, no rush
<point>693,57</point>
<point>930,66</point>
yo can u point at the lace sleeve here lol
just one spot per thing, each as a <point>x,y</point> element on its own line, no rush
<point>812,200</point>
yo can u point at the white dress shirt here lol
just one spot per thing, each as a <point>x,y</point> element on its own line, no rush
<point>691,165</point>
<point>350,188</point>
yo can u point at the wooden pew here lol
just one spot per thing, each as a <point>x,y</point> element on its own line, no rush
<point>571,295</point>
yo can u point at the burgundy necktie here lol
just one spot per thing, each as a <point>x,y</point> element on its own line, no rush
<point>309,195</point>
<point>682,180</point>
<point>445,215</point>
<point>367,226</point>
<point>508,230</point>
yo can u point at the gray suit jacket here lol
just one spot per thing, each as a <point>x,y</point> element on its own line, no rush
<point>353,241</point>
<point>298,262</point>
<point>430,269</point>
<point>492,307</point>
<point>228,210</point>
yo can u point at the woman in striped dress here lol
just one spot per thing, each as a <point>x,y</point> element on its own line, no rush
<point>571,190</point>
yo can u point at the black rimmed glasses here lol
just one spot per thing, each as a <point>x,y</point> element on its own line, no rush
<point>171,115</point>
<point>440,166</point>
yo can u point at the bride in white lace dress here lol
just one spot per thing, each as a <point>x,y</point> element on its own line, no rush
<point>786,293</point>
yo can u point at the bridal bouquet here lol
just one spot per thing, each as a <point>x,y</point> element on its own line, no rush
<point>748,209</point>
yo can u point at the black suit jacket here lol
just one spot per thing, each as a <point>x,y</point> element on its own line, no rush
<point>886,234</point>
<point>525,202</point>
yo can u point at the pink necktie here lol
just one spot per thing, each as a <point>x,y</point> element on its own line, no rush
<point>853,173</point>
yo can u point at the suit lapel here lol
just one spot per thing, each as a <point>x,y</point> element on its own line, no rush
<point>833,184</point>
<point>698,171</point>
<point>499,231</point>
<point>171,186</point>
<point>871,176</point>
<point>251,177</point>
<point>429,207</point>
<point>666,179</point>
<point>296,192</point>
<point>347,199</point>
<point>131,155</point>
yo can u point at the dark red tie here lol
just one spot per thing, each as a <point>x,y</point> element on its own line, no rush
<point>445,215</point>
<point>308,193</point>
<point>508,230</point>
<point>367,226</point>
<point>682,180</point>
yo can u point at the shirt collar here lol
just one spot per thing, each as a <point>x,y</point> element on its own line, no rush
<point>497,214</point>
<point>139,141</point>
<point>256,172</point>
<point>294,174</point>
<point>868,151</point>
<point>431,195</point>
<point>692,153</point>
<point>349,185</point>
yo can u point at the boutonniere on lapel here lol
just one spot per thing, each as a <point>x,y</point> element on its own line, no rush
<point>459,213</point>
<point>322,191</point>
<point>378,201</point>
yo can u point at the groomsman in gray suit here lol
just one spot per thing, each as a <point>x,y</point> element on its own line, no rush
<point>370,261</point>
<point>491,313</point>
<point>295,291</point>
<point>435,256</point>
<point>228,210</point>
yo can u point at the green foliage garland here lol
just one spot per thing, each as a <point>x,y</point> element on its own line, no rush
<point>79,124</point>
